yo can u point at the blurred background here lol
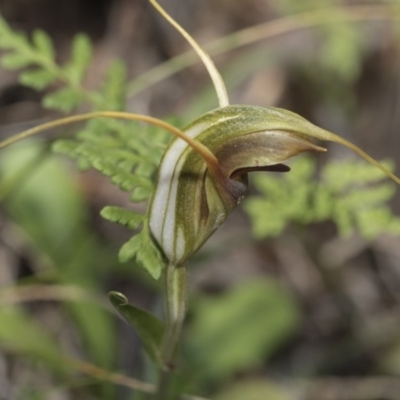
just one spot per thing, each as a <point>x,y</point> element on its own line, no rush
<point>308,310</point>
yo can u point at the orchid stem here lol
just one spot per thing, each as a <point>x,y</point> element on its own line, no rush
<point>176,293</point>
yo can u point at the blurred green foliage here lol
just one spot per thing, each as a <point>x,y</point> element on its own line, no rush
<point>240,328</point>
<point>253,390</point>
<point>50,210</point>
<point>127,153</point>
<point>350,193</point>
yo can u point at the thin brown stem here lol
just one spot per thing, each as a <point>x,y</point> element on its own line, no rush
<point>202,150</point>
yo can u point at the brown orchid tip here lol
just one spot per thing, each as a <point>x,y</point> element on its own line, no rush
<point>261,151</point>
<point>269,168</point>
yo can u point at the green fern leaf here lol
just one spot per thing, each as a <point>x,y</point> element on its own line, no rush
<point>342,196</point>
<point>64,100</point>
<point>141,193</point>
<point>44,44</point>
<point>341,52</point>
<point>266,222</point>
<point>129,250</point>
<point>125,180</point>
<point>15,61</point>
<point>81,56</point>
<point>4,27</point>
<point>122,216</point>
<point>66,147</point>
<point>114,87</point>
<point>143,249</point>
<point>8,38</point>
<point>341,175</point>
<point>377,221</point>
<point>119,165</point>
<point>38,79</point>
<point>367,197</point>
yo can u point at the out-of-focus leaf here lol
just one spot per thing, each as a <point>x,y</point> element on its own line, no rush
<point>65,100</point>
<point>122,216</point>
<point>37,79</point>
<point>81,56</point>
<point>240,328</point>
<point>351,194</point>
<point>149,328</point>
<point>20,333</point>
<point>253,390</point>
<point>47,204</point>
<point>43,43</point>
<point>50,209</point>
<point>15,61</point>
<point>114,87</point>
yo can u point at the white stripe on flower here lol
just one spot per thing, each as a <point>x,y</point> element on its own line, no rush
<point>162,217</point>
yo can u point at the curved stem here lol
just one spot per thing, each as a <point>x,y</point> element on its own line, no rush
<point>202,150</point>
<point>205,58</point>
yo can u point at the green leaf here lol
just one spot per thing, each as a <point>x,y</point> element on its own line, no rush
<point>283,200</point>
<point>15,61</point>
<point>21,333</point>
<point>341,51</point>
<point>377,221</point>
<point>344,174</point>
<point>253,389</point>
<point>142,248</point>
<point>125,180</point>
<point>37,79</point>
<point>122,216</point>
<point>81,56</point>
<point>4,28</point>
<point>43,43</point>
<point>342,196</point>
<point>114,87</point>
<point>6,39</point>
<point>240,328</point>
<point>49,208</point>
<point>130,248</point>
<point>149,328</point>
<point>64,100</point>
<point>48,205</point>
<point>112,158</point>
<point>141,193</point>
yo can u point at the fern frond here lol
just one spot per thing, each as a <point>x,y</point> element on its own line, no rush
<point>122,216</point>
<point>114,87</point>
<point>351,193</point>
<point>39,53</point>
<point>142,248</point>
<point>81,57</point>
<point>127,153</point>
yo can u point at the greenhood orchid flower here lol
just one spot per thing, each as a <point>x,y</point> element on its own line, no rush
<point>193,196</point>
<point>191,200</point>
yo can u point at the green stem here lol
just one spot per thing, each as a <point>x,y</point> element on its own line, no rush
<point>176,291</point>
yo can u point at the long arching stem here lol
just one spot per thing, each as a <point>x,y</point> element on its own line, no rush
<point>202,150</point>
<point>216,78</point>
